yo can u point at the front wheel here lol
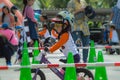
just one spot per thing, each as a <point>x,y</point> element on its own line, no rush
<point>37,74</point>
<point>84,74</point>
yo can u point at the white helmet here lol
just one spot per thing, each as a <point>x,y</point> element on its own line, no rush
<point>67,16</point>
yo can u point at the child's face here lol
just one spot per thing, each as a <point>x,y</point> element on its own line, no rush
<point>111,28</point>
<point>5,10</point>
<point>58,27</point>
<point>14,11</point>
<point>31,2</point>
<point>42,19</point>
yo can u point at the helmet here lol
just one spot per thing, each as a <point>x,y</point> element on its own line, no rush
<point>5,25</point>
<point>66,16</point>
<point>89,12</point>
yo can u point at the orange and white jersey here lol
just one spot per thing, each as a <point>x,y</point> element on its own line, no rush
<point>66,43</point>
<point>47,34</point>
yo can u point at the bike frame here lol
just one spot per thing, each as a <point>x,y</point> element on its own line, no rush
<point>54,70</point>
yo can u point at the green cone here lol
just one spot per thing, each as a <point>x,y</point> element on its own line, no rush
<point>92,54</point>
<point>35,53</point>
<point>70,72</point>
<point>100,72</point>
<point>25,73</point>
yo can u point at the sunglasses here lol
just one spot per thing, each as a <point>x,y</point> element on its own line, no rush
<point>57,25</point>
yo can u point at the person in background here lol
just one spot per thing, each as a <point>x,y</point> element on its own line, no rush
<point>105,33</point>
<point>41,18</point>
<point>28,13</point>
<point>8,43</point>
<point>49,35</point>
<point>77,7</point>
<point>47,30</point>
<point>115,17</point>
<point>7,17</point>
<point>13,11</point>
<point>9,34</point>
<point>5,49</point>
<point>113,39</point>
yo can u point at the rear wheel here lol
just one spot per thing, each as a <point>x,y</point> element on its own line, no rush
<point>84,74</point>
<point>37,74</point>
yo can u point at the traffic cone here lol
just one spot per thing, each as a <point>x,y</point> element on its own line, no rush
<point>92,55</point>
<point>35,53</point>
<point>100,72</point>
<point>70,72</point>
<point>25,73</point>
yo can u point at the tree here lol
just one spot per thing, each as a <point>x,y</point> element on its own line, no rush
<point>17,3</point>
<point>45,3</point>
<point>102,3</point>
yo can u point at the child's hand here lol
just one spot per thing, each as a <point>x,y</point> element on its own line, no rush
<point>46,49</point>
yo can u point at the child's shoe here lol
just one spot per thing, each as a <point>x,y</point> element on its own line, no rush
<point>8,63</point>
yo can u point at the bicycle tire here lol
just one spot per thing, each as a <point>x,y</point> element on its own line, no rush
<point>86,72</point>
<point>39,73</point>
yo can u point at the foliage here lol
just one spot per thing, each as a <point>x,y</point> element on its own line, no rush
<point>102,3</point>
<point>63,3</point>
<point>17,3</point>
<point>45,3</point>
<point>60,3</point>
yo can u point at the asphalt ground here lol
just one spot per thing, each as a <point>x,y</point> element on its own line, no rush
<point>112,71</point>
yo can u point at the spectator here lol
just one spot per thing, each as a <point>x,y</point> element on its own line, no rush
<point>113,39</point>
<point>115,17</point>
<point>49,35</point>
<point>8,43</point>
<point>28,13</point>
<point>41,19</point>
<point>5,50</point>
<point>7,17</point>
<point>47,30</point>
<point>77,7</point>
<point>13,11</point>
<point>105,33</point>
<point>10,35</point>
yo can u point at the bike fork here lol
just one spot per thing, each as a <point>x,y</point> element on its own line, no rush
<point>35,75</point>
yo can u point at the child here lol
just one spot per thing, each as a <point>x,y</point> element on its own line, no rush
<point>5,49</point>
<point>13,11</point>
<point>41,19</point>
<point>47,33</point>
<point>8,43</point>
<point>32,23</point>
<point>7,17</point>
<point>113,39</point>
<point>9,34</point>
<point>49,36</point>
<point>62,25</point>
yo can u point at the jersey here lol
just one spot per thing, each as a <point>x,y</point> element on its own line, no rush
<point>66,44</point>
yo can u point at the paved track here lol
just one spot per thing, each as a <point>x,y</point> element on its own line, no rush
<point>112,72</point>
